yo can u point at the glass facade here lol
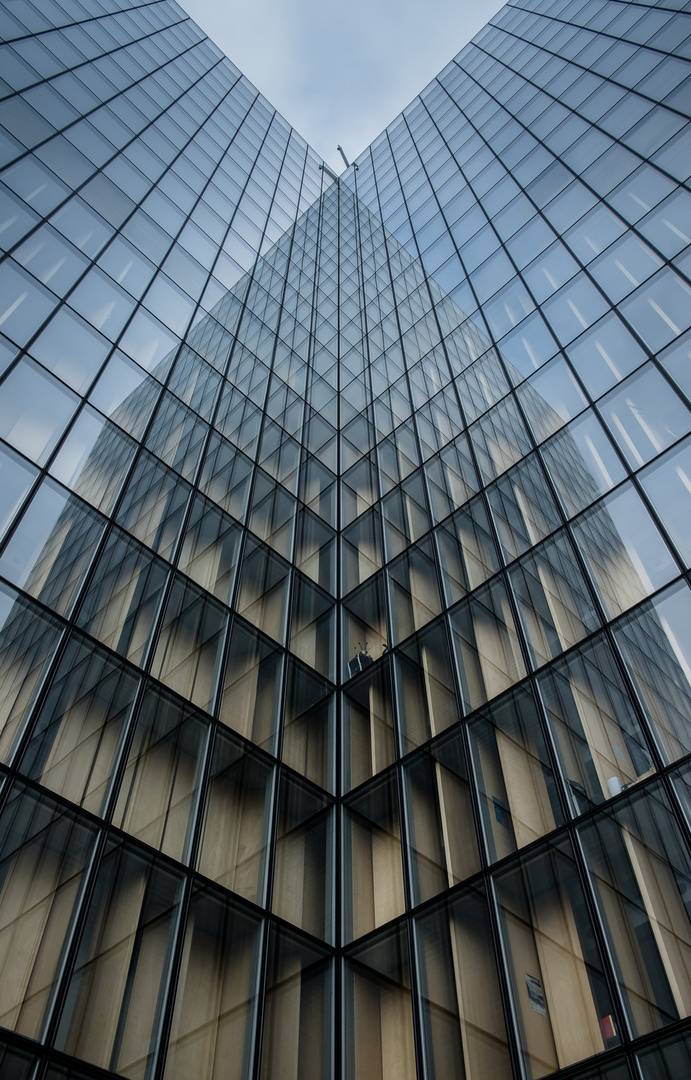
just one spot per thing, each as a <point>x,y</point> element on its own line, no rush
<point>345,620</point>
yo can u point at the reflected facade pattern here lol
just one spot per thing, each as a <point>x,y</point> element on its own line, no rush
<point>345,623</point>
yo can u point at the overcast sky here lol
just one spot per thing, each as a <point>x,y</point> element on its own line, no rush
<point>340,72</point>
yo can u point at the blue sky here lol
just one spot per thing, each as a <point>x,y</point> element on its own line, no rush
<point>341,73</point>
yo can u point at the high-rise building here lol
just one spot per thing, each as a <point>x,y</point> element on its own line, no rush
<point>345,648</point>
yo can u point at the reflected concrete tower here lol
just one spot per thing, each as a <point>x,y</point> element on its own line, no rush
<point>345,624</point>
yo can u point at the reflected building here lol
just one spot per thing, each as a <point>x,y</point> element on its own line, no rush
<point>345,664</point>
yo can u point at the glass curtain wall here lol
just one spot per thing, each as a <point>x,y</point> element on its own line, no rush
<point>345,611</point>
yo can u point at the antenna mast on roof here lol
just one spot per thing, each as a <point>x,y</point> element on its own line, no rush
<point>347,163</point>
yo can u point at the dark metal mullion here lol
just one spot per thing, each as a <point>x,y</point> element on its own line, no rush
<point>22,91</point>
<point>88,19</point>
<point>588,71</point>
<point>406,375</point>
<point>602,199</point>
<point>276,787</point>
<point>97,170</point>
<point>335,1013</point>
<point>582,266</point>
<point>580,559</point>
<point>443,621</point>
<point>44,470</point>
<point>606,951</point>
<point>342,847</point>
<point>503,970</point>
<point>242,546</point>
<point>397,769</point>
<point>291,573</point>
<point>605,33</point>
<point>211,430</point>
<point>58,998</point>
<point>455,662</point>
<point>112,527</point>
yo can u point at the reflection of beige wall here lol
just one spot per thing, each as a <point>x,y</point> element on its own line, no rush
<point>79,763</point>
<point>661,902</point>
<point>544,943</point>
<point>480,1013</point>
<point>187,653</point>
<point>233,837</point>
<point>377,875</point>
<point>36,903</point>
<point>493,661</point>
<point>603,733</point>
<point>119,938</point>
<point>18,677</point>
<point>382,1038</point>
<point>443,829</point>
<point>307,745</point>
<point>302,874</point>
<point>669,920</point>
<point>426,837</point>
<point>281,1043</point>
<point>212,1008</point>
<point>531,812</point>
<point>495,787</point>
<point>248,704</point>
<point>537,1034</point>
<point>369,740</point>
<point>289,876</point>
<point>156,795</point>
<point>457,824</point>
<point>563,609</point>
<point>567,987</point>
<point>295,1041</point>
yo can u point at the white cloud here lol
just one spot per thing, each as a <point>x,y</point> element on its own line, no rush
<point>341,73</point>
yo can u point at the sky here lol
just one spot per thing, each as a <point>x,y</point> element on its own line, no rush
<point>340,72</point>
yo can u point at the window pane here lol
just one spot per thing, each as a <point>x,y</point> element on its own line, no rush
<point>518,794</point>
<point>558,984</point>
<point>43,851</point>
<point>52,546</point>
<point>297,1035</point>
<point>188,652</point>
<point>487,647</point>
<point>645,416</point>
<point>123,597</point>
<point>27,640</point>
<point>34,410</point>
<point>462,1012</point>
<point>602,745</point>
<point>158,789</point>
<point>378,1008</point>
<point>373,870</point>
<point>115,994</point>
<point>641,870</point>
<point>626,554</point>
<point>78,731</point>
<point>443,844</point>
<point>668,486</point>
<point>216,992</point>
<point>655,644</point>
<point>234,841</point>
<point>303,870</point>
